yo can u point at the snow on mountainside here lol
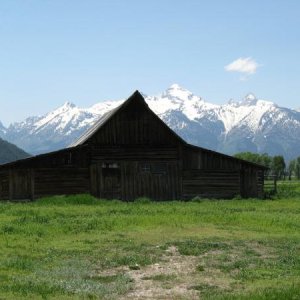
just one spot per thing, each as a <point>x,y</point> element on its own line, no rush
<point>248,125</point>
<point>56,129</point>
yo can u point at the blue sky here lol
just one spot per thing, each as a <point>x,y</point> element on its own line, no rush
<point>87,51</point>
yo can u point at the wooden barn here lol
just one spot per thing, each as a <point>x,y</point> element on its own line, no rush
<point>129,153</point>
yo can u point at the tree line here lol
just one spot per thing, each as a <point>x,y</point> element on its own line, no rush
<point>276,164</point>
<point>294,168</point>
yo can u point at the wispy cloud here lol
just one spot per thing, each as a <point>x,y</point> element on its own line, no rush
<point>246,66</point>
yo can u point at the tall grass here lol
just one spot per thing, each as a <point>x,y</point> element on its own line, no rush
<point>288,189</point>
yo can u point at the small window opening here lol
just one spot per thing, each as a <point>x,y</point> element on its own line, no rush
<point>110,165</point>
<point>145,168</point>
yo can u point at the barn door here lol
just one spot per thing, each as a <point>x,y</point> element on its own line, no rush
<point>21,184</point>
<point>157,180</point>
<point>111,182</point>
<point>106,180</point>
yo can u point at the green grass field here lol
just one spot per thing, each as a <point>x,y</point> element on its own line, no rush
<point>82,248</point>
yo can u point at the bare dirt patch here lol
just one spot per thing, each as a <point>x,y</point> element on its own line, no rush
<point>175,277</point>
<point>164,280</point>
<point>179,276</point>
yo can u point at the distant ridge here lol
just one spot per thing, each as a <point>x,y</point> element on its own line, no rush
<point>10,152</point>
<point>250,124</point>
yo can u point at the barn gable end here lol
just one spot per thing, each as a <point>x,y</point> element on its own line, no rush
<point>131,123</point>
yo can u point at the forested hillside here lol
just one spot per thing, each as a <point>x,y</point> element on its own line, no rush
<point>10,152</point>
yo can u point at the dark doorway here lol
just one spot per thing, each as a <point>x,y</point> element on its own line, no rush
<point>111,179</point>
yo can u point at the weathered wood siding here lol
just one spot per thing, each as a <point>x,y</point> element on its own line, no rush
<point>133,152</point>
<point>197,158</point>
<point>158,180</point>
<point>60,181</point>
<point>135,155</point>
<point>252,182</point>
<point>211,183</point>
<point>208,174</point>
<point>213,175</point>
<point>20,184</point>
<point>260,183</point>
<point>61,172</point>
<point>4,184</point>
<point>35,183</point>
<point>134,125</point>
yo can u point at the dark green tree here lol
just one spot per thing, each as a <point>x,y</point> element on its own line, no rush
<point>266,160</point>
<point>278,166</point>
<point>262,159</point>
<point>292,168</point>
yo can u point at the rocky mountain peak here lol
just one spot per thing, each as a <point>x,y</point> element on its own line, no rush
<point>176,91</point>
<point>249,99</point>
<point>68,104</point>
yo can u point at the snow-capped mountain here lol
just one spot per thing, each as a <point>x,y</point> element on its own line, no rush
<point>56,129</point>
<point>251,124</point>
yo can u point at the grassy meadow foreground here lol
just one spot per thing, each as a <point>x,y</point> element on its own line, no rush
<point>82,248</point>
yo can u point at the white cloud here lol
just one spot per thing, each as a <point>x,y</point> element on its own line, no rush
<point>245,65</point>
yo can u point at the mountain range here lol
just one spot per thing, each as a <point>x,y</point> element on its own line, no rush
<point>251,124</point>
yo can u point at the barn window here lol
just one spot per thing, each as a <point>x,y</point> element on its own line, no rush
<point>145,167</point>
<point>154,168</point>
<point>110,165</point>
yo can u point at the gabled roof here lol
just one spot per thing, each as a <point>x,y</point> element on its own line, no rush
<point>94,128</point>
<point>227,156</point>
<point>107,116</point>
